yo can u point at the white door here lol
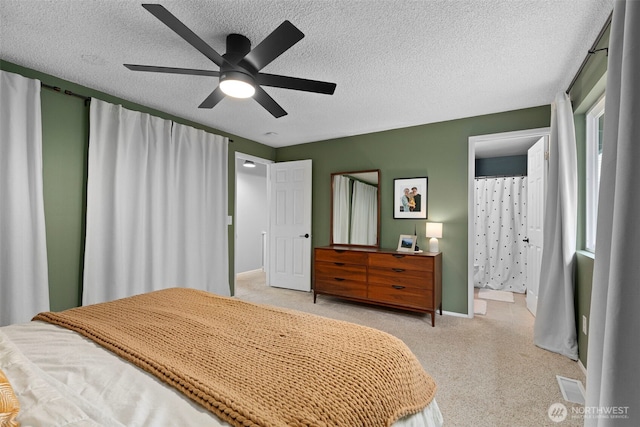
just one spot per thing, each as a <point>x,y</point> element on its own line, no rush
<point>536,185</point>
<point>290,216</point>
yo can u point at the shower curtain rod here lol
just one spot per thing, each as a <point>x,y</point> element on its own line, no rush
<point>501,176</point>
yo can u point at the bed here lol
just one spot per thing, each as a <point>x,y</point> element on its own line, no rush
<point>190,358</point>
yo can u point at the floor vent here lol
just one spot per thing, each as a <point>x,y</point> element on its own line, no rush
<point>572,390</point>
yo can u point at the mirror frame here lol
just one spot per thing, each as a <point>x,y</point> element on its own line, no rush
<point>332,243</point>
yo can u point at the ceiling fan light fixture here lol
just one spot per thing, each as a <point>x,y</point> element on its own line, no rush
<point>239,67</point>
<point>237,85</point>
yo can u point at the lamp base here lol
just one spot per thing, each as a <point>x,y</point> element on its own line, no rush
<point>433,245</point>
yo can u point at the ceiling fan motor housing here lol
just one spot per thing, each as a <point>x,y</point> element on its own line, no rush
<point>236,68</point>
<point>238,44</point>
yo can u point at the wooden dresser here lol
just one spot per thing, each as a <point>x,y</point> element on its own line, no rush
<point>406,280</point>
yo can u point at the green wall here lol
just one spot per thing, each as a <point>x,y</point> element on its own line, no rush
<point>502,166</point>
<point>65,130</point>
<point>438,151</point>
<point>65,141</point>
<point>584,279</point>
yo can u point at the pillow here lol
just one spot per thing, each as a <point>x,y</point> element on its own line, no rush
<point>9,405</point>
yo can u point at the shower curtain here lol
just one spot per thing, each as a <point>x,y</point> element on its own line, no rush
<point>500,260</point>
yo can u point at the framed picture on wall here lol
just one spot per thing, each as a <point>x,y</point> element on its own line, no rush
<point>410,198</point>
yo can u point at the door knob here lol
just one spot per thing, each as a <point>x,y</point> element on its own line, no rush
<point>306,235</point>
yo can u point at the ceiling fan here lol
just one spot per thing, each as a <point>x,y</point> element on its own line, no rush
<point>240,66</point>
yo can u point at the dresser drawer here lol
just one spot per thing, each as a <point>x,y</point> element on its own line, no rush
<point>403,296</point>
<point>332,270</point>
<point>339,255</point>
<point>340,287</point>
<point>397,260</point>
<point>398,276</point>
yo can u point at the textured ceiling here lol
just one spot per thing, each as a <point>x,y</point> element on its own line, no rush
<point>396,63</point>
<point>500,147</point>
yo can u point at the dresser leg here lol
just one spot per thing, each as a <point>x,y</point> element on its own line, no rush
<point>433,318</point>
<point>314,297</point>
<point>440,309</point>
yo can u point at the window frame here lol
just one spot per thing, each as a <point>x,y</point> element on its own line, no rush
<point>592,171</point>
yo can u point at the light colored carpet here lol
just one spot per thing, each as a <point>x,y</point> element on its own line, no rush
<point>487,369</point>
<point>495,295</point>
<point>479,306</point>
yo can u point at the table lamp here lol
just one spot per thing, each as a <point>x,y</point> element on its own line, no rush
<point>434,230</point>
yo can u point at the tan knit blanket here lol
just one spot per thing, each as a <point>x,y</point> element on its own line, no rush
<point>257,365</point>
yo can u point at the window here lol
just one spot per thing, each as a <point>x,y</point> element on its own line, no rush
<point>595,127</point>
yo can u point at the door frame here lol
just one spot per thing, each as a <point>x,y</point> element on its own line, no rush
<point>503,138</point>
<point>267,162</point>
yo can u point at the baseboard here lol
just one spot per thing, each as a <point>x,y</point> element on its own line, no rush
<point>584,370</point>
<point>455,314</point>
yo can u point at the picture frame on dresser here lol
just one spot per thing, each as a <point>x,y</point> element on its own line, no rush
<point>410,197</point>
<point>407,243</point>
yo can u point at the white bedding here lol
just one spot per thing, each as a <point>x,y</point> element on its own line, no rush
<point>64,379</point>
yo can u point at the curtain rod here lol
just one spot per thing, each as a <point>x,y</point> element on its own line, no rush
<point>592,51</point>
<point>68,92</point>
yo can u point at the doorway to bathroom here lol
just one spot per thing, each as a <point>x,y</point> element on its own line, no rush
<point>506,204</point>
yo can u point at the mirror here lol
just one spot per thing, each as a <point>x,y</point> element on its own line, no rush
<point>355,208</point>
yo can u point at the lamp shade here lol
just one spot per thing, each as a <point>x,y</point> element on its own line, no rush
<point>434,229</point>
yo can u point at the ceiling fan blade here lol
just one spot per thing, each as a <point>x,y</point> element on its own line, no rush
<point>268,103</point>
<point>212,100</point>
<point>179,28</point>
<point>172,70</point>
<point>274,45</point>
<point>296,83</point>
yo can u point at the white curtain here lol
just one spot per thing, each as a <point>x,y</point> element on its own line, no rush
<point>364,214</point>
<point>156,206</point>
<point>341,204</point>
<point>24,286</point>
<point>614,341</point>
<point>555,326</point>
<point>500,257</point>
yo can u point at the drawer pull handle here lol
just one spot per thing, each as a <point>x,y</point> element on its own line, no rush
<point>339,263</point>
<point>340,251</point>
<point>398,256</point>
<point>398,270</point>
<point>397,287</point>
<point>339,279</point>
